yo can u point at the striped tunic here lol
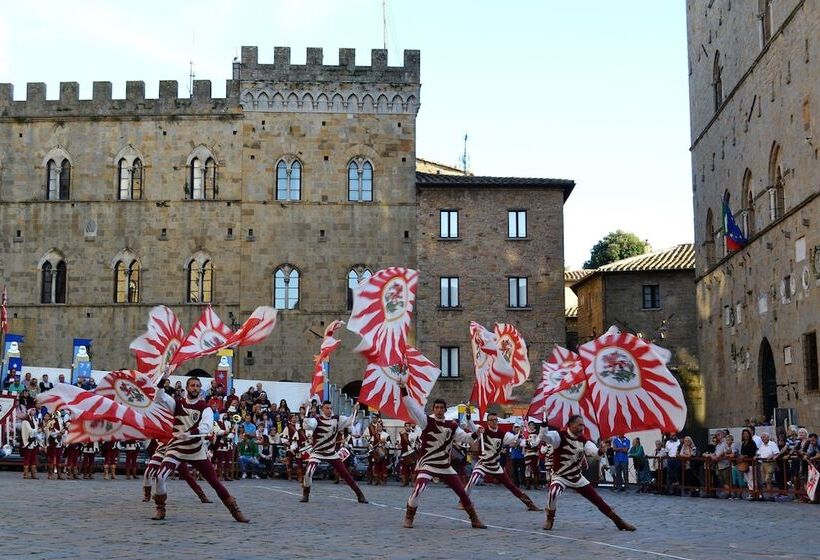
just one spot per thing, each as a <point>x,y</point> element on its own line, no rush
<point>436,439</point>
<point>325,433</point>
<point>489,462</point>
<point>568,454</point>
<point>190,420</point>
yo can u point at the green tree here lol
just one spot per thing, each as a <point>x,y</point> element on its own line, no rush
<point>615,246</point>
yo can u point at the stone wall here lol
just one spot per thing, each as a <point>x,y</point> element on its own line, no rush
<point>770,97</point>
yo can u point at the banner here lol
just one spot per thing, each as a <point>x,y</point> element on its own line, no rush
<point>80,360</point>
<point>11,355</point>
<point>224,370</point>
<point>811,484</point>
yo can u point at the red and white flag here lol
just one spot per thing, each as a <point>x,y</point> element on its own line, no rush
<point>4,313</point>
<point>154,348</point>
<point>95,417</point>
<point>136,391</point>
<point>382,309</point>
<point>492,370</point>
<point>631,388</point>
<point>207,336</point>
<point>512,346</point>
<point>329,344</point>
<point>381,390</point>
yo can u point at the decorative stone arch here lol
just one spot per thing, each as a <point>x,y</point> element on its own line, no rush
<point>52,273</point>
<point>199,278</point>
<point>353,103</point>
<point>277,102</point>
<point>262,101</point>
<point>381,104</point>
<point>412,105</point>
<point>58,154</point>
<point>322,103</point>
<point>397,103</point>
<point>126,256</point>
<point>199,258</point>
<point>777,195</point>
<point>202,152</point>
<point>248,102</point>
<point>368,105</point>
<point>360,151</point>
<point>307,102</point>
<point>52,256</point>
<point>129,153</point>
<point>337,103</point>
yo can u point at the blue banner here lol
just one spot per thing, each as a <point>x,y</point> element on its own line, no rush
<point>224,370</point>
<point>81,360</point>
<point>12,357</point>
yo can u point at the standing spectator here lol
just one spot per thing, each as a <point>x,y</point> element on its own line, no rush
<point>517,457</point>
<point>249,455</point>
<point>672,463</point>
<point>656,464</point>
<point>723,464</point>
<point>61,378</point>
<point>604,464</point>
<point>686,451</point>
<point>620,448</point>
<point>768,453</point>
<point>745,464</point>
<point>636,453</point>
<point>12,374</point>
<point>45,384</point>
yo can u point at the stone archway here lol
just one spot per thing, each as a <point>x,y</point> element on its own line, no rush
<point>768,378</point>
<point>352,389</point>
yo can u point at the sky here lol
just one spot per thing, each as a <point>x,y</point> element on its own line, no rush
<point>593,91</point>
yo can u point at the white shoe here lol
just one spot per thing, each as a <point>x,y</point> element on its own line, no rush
<point>256,476</point>
<point>244,475</point>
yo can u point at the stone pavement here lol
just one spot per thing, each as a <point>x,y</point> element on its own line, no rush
<point>106,520</point>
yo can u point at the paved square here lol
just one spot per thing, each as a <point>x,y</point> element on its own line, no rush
<point>100,519</point>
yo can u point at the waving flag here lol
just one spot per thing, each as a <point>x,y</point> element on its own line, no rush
<point>329,344</point>
<point>492,370</point>
<point>136,391</point>
<point>255,329</point>
<point>95,417</point>
<point>382,308</point>
<point>735,240</point>
<point>514,350</point>
<point>155,348</point>
<point>631,388</point>
<point>208,335</point>
<point>563,391</point>
<point>380,388</point>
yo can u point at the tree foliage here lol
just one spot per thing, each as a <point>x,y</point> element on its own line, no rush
<point>615,246</point>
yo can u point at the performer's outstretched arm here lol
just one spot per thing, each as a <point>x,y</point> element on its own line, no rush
<point>415,409</point>
<point>347,421</point>
<point>550,436</point>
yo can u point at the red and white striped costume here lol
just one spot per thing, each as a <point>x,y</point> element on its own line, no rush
<point>324,448</point>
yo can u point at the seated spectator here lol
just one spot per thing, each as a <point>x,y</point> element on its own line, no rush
<point>33,388</point>
<point>249,456</point>
<point>61,378</point>
<point>45,384</point>
<point>17,386</point>
<point>9,379</point>
<point>231,400</point>
<point>266,455</point>
<point>249,425</point>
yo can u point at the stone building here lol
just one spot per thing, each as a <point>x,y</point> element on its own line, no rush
<point>754,86</point>
<point>653,296</point>
<point>289,190</point>
<point>571,305</point>
<point>490,250</point>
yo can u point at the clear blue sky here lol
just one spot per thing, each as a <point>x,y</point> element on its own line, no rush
<point>594,91</point>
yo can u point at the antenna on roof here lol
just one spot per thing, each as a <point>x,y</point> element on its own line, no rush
<point>191,74</point>
<point>464,159</point>
<point>384,22</point>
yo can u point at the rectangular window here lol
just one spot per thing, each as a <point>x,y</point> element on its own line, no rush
<point>449,291</point>
<point>516,224</point>
<point>810,361</point>
<point>449,361</point>
<point>448,224</point>
<point>518,292</point>
<point>652,296</point>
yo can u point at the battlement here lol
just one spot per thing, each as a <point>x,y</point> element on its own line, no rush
<point>102,104</point>
<point>314,70</point>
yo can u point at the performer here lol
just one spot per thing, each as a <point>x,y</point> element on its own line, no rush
<point>192,422</point>
<point>110,455</point>
<point>30,444</point>
<point>131,449</point>
<point>54,432</point>
<point>294,437</point>
<point>492,440</point>
<point>157,452</point>
<point>569,450</point>
<point>72,459</point>
<point>379,444</point>
<point>408,438</point>
<point>325,426</point>
<point>223,447</point>
<point>531,445</point>
<point>437,435</point>
<point>89,450</point>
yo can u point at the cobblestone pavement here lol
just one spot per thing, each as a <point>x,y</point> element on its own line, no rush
<point>53,519</point>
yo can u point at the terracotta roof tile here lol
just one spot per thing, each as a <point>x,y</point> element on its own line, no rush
<point>679,257</point>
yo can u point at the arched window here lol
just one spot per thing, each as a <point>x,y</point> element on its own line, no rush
<point>286,287</point>
<point>202,176</point>
<point>709,240</point>
<point>717,81</point>
<point>53,281</point>
<point>288,180</point>
<point>749,209</point>
<point>776,185</point>
<point>127,282</point>
<point>136,179</point>
<point>129,179</point>
<point>58,179</point>
<point>356,275</point>
<point>724,230</point>
<point>200,281</point>
<point>360,180</point>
